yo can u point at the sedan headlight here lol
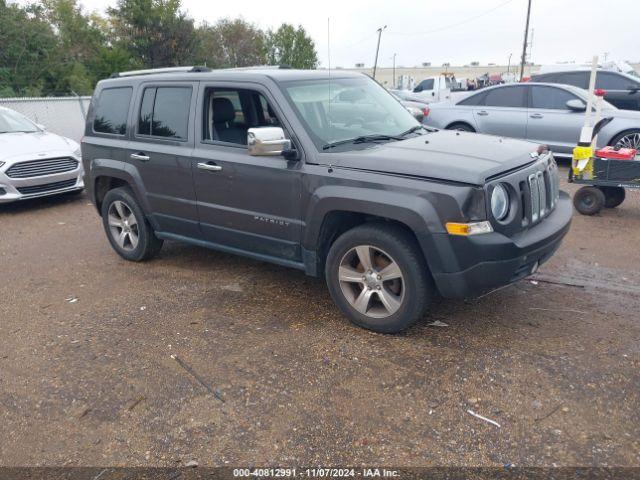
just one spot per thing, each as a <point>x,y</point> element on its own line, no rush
<point>499,202</point>
<point>78,152</point>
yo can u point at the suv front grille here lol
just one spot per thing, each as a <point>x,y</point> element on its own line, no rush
<point>39,168</point>
<point>541,194</point>
<point>47,187</point>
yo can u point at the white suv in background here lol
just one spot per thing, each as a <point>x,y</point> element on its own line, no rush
<point>33,162</point>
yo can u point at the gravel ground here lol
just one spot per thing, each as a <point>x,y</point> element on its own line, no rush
<point>199,355</point>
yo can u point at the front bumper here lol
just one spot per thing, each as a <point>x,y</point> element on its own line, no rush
<point>493,260</point>
<point>14,189</point>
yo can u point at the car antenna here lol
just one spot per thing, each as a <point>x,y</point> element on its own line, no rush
<point>329,65</point>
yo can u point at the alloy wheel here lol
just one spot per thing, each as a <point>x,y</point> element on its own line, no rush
<point>371,281</point>
<point>123,225</point>
<point>631,140</point>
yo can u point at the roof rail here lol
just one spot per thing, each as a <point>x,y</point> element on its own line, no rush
<point>262,67</point>
<point>149,71</point>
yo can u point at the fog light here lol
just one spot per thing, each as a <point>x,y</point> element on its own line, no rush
<point>466,229</point>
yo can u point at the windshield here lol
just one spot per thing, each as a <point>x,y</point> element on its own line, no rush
<point>359,107</point>
<point>11,122</point>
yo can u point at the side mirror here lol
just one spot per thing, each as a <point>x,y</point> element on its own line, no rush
<point>576,105</point>
<point>267,141</point>
<point>41,127</point>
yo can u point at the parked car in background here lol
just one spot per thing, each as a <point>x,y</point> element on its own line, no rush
<point>33,162</point>
<point>419,110</point>
<point>540,112</point>
<point>620,89</point>
<point>258,162</point>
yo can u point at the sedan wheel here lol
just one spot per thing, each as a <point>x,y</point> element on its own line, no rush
<point>123,225</point>
<point>371,281</point>
<point>630,140</point>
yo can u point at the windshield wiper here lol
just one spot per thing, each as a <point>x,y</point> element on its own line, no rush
<point>363,139</point>
<point>416,128</point>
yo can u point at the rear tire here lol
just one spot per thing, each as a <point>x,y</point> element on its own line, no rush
<point>377,276</point>
<point>126,226</point>
<point>461,127</point>
<point>589,200</point>
<point>613,196</point>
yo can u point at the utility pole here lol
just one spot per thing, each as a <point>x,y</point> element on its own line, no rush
<point>524,45</point>
<point>509,64</point>
<point>394,70</point>
<point>375,63</point>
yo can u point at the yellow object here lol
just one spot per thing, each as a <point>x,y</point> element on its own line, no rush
<point>582,162</point>
<point>468,228</point>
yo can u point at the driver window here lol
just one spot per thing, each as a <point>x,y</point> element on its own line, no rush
<point>229,113</point>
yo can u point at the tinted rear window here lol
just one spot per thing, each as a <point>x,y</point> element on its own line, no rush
<point>477,99</point>
<point>112,110</point>
<point>164,112</point>
<point>506,97</point>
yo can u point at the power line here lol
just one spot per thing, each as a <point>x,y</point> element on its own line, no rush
<point>453,25</point>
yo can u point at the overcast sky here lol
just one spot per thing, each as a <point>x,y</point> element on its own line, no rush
<point>437,31</point>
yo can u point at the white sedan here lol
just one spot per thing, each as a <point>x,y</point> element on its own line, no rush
<point>33,162</point>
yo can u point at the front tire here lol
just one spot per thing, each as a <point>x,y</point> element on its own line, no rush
<point>127,228</point>
<point>378,278</point>
<point>613,196</point>
<point>589,200</point>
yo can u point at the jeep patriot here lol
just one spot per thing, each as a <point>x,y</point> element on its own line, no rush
<point>326,173</point>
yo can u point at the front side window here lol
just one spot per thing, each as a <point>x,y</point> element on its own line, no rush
<point>614,81</point>
<point>164,112</point>
<point>112,109</point>
<point>474,100</point>
<point>550,98</point>
<point>230,112</point>
<point>12,122</point>
<point>512,97</point>
<point>343,109</point>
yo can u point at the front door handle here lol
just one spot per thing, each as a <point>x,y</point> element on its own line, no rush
<point>140,156</point>
<point>483,113</point>
<point>536,115</point>
<point>212,167</point>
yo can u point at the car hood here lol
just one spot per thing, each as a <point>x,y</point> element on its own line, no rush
<point>26,144</point>
<point>445,155</point>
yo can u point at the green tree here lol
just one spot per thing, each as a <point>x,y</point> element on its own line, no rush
<point>290,46</point>
<point>28,50</point>
<point>231,43</point>
<point>80,40</point>
<point>156,32</point>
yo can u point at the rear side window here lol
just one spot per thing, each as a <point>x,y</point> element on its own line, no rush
<point>164,112</point>
<point>112,110</point>
<point>512,97</point>
<point>578,79</point>
<point>474,100</point>
<point>550,98</point>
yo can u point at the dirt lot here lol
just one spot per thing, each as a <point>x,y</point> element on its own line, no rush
<point>285,380</point>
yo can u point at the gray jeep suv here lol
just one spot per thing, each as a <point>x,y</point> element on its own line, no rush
<point>326,173</point>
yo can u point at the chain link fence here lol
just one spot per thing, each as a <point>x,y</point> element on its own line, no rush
<point>62,115</point>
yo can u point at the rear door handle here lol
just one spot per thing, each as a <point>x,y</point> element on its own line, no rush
<point>483,113</point>
<point>140,156</point>
<point>212,167</point>
<point>536,115</point>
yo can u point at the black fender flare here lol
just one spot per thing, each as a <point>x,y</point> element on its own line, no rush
<point>416,213</point>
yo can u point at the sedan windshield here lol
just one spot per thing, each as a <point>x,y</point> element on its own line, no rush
<point>11,122</point>
<point>348,112</point>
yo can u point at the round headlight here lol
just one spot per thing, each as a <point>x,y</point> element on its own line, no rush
<point>499,202</point>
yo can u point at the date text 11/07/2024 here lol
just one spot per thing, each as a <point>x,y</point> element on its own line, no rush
<point>315,472</point>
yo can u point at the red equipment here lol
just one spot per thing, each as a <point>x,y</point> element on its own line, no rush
<point>620,154</point>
